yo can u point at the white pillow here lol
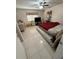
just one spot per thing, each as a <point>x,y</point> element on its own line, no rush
<point>55,29</point>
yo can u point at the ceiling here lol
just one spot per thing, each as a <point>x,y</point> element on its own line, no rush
<point>34,4</point>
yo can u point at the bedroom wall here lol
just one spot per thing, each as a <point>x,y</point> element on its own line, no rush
<point>21,13</point>
<point>57,13</point>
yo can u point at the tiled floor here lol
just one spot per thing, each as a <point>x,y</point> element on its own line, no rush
<point>36,46</point>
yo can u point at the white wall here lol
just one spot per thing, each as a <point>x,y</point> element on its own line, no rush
<point>57,13</point>
<point>21,13</point>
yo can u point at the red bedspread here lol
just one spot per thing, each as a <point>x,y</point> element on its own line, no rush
<point>48,25</point>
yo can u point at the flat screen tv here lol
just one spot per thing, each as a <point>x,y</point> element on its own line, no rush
<point>37,20</point>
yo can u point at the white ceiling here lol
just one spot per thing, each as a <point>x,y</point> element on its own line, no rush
<point>34,4</point>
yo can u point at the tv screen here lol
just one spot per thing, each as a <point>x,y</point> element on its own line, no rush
<point>37,19</point>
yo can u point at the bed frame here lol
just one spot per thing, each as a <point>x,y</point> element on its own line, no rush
<point>53,41</point>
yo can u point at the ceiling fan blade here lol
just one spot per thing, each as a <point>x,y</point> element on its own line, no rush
<point>45,2</point>
<point>46,5</point>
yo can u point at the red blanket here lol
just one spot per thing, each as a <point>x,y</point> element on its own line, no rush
<point>47,25</point>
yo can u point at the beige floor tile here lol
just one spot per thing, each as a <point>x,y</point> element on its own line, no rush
<point>35,45</point>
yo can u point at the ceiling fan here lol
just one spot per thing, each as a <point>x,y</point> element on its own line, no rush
<point>44,4</point>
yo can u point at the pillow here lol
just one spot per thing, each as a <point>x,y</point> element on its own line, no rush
<point>54,30</point>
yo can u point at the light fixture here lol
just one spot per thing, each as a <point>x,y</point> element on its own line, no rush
<point>41,41</point>
<point>41,7</point>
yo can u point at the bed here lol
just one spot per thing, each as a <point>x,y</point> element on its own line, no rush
<point>50,27</point>
<point>49,30</point>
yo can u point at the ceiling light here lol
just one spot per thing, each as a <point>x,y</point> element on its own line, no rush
<point>41,7</point>
<point>41,41</point>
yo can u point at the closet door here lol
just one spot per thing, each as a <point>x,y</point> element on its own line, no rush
<point>59,51</point>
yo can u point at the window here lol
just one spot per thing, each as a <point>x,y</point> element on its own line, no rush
<point>31,17</point>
